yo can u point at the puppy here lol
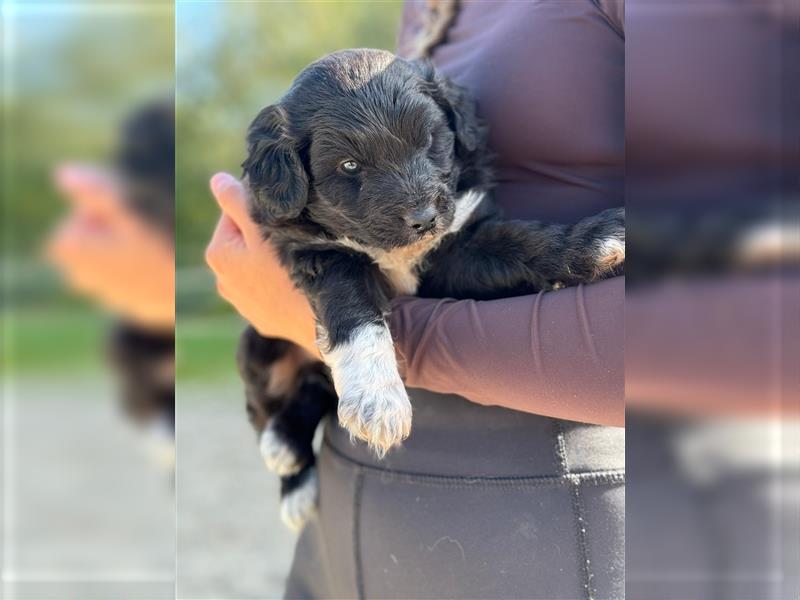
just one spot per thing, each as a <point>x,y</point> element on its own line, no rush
<point>371,178</point>
<point>144,360</point>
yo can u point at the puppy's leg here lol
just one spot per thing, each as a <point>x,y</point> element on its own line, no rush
<point>287,394</point>
<point>350,299</point>
<point>595,247</point>
<point>314,398</point>
<point>299,496</point>
<point>145,365</point>
<point>498,258</point>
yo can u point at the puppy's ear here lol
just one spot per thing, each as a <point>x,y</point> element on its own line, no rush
<point>275,174</point>
<point>457,105</point>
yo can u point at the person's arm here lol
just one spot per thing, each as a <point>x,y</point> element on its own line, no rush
<point>558,354</point>
<point>725,345</point>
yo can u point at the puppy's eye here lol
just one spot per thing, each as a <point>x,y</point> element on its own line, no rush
<point>349,166</point>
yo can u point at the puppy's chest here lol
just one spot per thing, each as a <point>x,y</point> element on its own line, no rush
<point>400,266</point>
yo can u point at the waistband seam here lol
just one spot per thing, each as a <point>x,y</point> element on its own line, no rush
<point>592,477</point>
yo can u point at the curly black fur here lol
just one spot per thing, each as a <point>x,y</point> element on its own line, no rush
<point>421,156</point>
<point>145,359</point>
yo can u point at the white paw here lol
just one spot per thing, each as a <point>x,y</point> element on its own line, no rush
<point>277,454</point>
<point>610,254</point>
<point>160,443</point>
<point>300,505</point>
<point>373,403</point>
<point>378,413</point>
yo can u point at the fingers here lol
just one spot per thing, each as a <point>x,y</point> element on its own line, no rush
<point>86,186</point>
<point>231,196</point>
<point>94,192</point>
<point>226,242</point>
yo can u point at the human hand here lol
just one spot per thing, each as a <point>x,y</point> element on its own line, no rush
<point>249,274</point>
<point>110,254</point>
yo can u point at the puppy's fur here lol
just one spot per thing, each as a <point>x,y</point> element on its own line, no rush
<point>371,178</point>
<point>144,360</point>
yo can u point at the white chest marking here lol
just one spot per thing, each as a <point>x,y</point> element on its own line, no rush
<point>401,265</point>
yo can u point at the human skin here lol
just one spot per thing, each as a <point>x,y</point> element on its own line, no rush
<point>109,254</point>
<point>249,275</point>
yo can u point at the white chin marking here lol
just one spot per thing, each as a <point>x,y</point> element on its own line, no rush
<point>300,505</point>
<point>277,454</point>
<point>373,403</point>
<point>610,254</point>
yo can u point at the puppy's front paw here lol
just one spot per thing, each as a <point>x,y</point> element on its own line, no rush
<point>610,254</point>
<point>373,403</point>
<point>299,505</point>
<point>377,412</point>
<point>278,454</point>
<point>609,249</point>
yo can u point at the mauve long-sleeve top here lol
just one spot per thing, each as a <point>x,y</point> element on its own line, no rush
<point>549,79</point>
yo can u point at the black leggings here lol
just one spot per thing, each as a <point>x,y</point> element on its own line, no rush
<point>480,502</point>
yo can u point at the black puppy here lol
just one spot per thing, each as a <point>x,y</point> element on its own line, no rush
<point>371,178</point>
<point>144,360</point>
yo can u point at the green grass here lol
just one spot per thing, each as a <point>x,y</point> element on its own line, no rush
<point>53,340</point>
<point>71,340</point>
<point>206,346</point>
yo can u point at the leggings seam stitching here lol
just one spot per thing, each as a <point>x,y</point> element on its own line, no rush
<point>580,522</point>
<point>577,510</point>
<point>359,568</point>
<point>596,477</point>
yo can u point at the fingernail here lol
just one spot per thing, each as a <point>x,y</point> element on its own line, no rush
<point>219,182</point>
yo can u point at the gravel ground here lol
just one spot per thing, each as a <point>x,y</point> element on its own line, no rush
<point>89,514</point>
<point>231,543</point>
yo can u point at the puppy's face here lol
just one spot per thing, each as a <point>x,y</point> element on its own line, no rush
<point>385,177</point>
<point>369,146</point>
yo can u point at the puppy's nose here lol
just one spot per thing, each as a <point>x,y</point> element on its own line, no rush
<point>422,219</point>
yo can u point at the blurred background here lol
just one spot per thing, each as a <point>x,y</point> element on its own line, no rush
<point>232,60</point>
<point>713,447</point>
<point>86,514</point>
<point>712,299</point>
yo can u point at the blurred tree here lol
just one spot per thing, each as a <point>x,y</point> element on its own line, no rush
<point>72,73</point>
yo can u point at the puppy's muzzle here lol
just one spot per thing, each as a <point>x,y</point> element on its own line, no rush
<point>422,220</point>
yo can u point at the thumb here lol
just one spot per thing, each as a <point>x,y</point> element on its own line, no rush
<point>231,196</point>
<point>95,193</point>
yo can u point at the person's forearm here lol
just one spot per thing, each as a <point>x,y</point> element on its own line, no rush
<point>725,346</point>
<point>558,354</point>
